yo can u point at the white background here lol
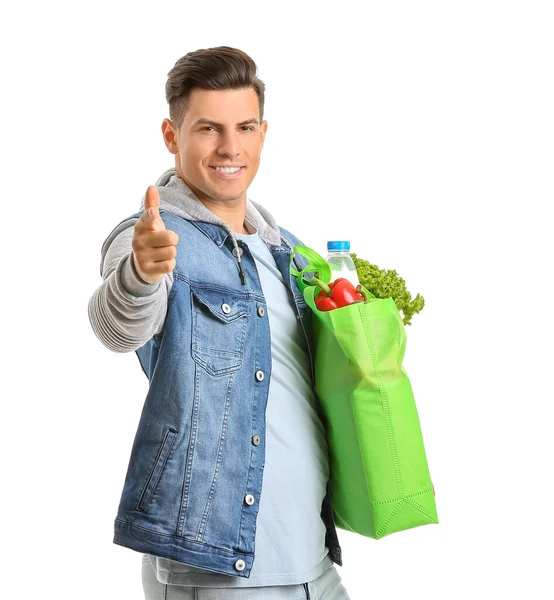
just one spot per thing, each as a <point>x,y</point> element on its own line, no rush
<point>422,131</point>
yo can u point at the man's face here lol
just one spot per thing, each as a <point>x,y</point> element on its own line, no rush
<point>221,128</point>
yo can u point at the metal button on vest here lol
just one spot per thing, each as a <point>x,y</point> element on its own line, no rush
<point>226,308</point>
<point>234,252</point>
<point>240,564</point>
<point>261,311</point>
<point>259,375</point>
<point>249,499</point>
<point>256,440</point>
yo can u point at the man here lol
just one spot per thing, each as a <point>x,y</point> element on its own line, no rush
<point>198,284</point>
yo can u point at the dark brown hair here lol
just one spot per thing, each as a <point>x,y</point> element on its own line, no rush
<point>218,68</point>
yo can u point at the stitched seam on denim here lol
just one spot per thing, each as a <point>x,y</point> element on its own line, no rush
<point>237,356</point>
<point>190,456</point>
<point>150,472</point>
<point>185,539</point>
<point>222,439</point>
<point>243,295</point>
<point>159,464</point>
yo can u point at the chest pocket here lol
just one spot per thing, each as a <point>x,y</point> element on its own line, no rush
<point>219,322</point>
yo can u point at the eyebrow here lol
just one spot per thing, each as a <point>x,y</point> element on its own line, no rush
<point>216,124</point>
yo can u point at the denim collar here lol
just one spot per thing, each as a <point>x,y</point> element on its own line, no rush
<point>219,234</point>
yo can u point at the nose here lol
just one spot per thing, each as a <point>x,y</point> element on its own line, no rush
<point>229,144</point>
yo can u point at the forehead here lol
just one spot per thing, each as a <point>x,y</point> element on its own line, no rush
<point>222,105</point>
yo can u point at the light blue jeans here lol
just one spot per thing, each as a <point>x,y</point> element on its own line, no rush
<point>327,586</point>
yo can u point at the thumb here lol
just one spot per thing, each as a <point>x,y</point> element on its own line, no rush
<point>152,205</point>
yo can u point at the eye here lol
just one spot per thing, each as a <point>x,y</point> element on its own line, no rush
<point>244,127</point>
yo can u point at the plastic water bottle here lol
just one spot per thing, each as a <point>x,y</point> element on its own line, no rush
<point>340,261</point>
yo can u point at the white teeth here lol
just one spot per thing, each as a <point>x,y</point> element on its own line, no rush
<point>228,169</point>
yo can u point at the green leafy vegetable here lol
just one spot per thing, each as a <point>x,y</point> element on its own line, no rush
<point>384,283</point>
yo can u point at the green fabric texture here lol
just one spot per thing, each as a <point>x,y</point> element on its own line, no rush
<point>380,481</point>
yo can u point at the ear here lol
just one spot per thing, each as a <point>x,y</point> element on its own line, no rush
<point>263,131</point>
<point>170,136</point>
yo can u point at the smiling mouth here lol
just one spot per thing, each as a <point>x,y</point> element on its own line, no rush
<point>228,175</point>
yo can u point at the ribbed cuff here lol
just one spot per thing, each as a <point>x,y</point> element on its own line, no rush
<point>131,280</point>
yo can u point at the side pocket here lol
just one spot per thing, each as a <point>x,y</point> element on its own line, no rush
<point>157,469</point>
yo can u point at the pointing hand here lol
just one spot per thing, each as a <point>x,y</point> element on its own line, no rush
<point>153,245</point>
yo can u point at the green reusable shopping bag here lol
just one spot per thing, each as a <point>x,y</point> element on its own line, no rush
<point>380,480</point>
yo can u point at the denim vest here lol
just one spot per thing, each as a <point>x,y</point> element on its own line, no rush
<point>194,477</point>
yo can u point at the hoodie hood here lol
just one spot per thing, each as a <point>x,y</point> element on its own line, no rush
<point>177,198</point>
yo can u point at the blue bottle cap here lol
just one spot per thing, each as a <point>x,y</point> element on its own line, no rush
<point>334,246</point>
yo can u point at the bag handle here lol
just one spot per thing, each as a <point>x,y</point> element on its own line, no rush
<point>317,264</point>
<point>322,270</point>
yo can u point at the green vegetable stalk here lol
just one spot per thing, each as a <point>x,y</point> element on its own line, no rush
<point>384,283</point>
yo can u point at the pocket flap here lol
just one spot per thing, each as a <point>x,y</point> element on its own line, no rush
<point>222,303</point>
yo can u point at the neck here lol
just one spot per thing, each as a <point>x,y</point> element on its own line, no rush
<point>232,215</point>
<point>233,212</point>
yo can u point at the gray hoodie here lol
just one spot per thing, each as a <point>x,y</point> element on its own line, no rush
<point>125,311</point>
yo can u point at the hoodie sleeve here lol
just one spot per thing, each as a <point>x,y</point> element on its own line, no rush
<point>125,311</point>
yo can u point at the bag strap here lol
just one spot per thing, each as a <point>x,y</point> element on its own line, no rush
<point>317,265</point>
<point>320,267</point>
